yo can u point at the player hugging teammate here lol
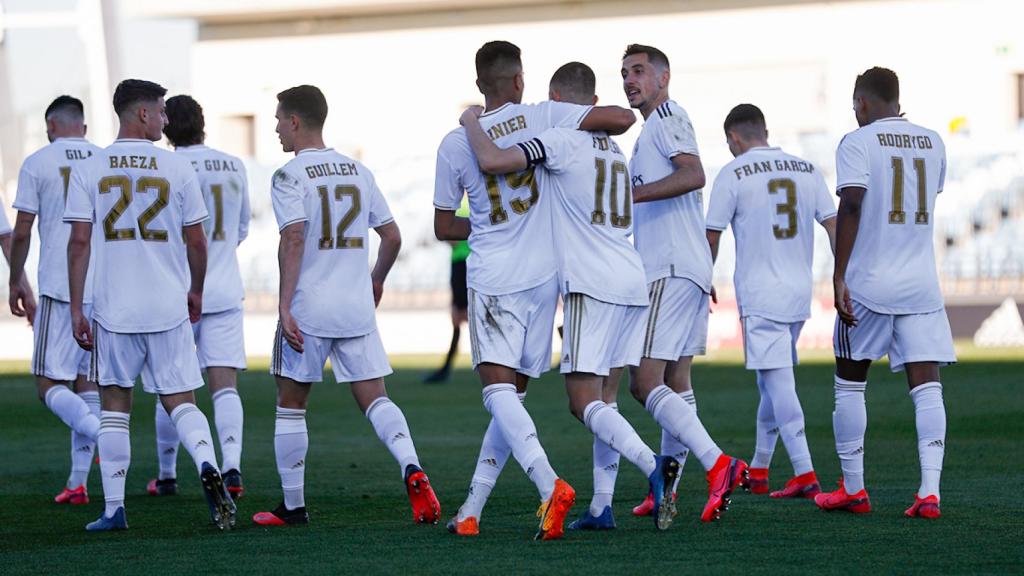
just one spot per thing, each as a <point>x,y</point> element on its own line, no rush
<point>149,286</point>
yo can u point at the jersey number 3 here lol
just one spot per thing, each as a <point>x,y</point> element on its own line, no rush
<point>787,207</point>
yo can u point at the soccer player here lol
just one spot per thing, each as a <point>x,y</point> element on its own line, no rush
<point>325,204</point>
<point>150,263</point>
<point>513,289</point>
<point>889,173</point>
<point>771,199</point>
<point>218,334</point>
<point>605,295</point>
<point>670,236</point>
<point>57,361</point>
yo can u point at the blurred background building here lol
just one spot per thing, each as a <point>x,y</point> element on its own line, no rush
<point>397,73</point>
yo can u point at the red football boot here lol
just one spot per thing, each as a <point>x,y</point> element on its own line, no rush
<point>927,507</point>
<point>726,475</point>
<point>75,497</point>
<point>425,507</point>
<point>839,500</point>
<point>758,480</point>
<point>802,486</point>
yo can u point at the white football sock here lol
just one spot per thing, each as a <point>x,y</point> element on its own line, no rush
<point>115,457</point>
<point>680,451</point>
<point>930,414</point>
<point>680,419</point>
<point>166,443</point>
<point>72,410</point>
<point>521,435</point>
<point>767,431</point>
<point>291,442</point>
<point>228,418</point>
<point>82,447</point>
<point>392,429</point>
<point>194,432</point>
<point>494,452</point>
<point>606,470</point>
<point>781,387</point>
<point>615,431</point>
<point>850,422</point>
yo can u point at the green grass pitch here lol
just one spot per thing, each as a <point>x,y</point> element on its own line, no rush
<point>361,523</point>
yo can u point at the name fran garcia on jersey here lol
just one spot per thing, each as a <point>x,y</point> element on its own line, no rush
<point>772,166</point>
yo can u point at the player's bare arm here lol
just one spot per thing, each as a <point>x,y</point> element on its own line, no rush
<point>687,177</point>
<point>714,237</point>
<point>614,120</point>
<point>448,226</point>
<point>79,246</point>
<point>829,224</point>
<point>289,260</point>
<point>846,225</point>
<point>491,158</point>
<point>195,250</point>
<point>390,244</point>
<point>15,248</point>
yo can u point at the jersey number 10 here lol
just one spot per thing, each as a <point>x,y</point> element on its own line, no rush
<point>619,219</point>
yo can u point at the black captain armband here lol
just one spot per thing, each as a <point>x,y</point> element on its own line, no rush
<point>534,150</point>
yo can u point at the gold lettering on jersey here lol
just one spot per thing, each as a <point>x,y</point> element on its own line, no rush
<point>507,127</point>
<point>331,169</point>
<point>768,166</point>
<point>74,154</point>
<point>217,165</point>
<point>144,162</point>
<point>919,142</point>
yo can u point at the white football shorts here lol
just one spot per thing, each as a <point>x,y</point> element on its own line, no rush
<point>219,339</point>
<point>677,323</point>
<point>514,330</point>
<point>352,359</point>
<point>599,336</point>
<point>56,355</point>
<point>906,338</point>
<point>768,344</point>
<point>166,360</point>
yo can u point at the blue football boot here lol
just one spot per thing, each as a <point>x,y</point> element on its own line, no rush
<point>590,522</point>
<point>661,480</point>
<point>115,522</point>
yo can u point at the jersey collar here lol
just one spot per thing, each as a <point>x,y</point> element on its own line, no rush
<point>890,119</point>
<point>313,150</point>
<point>142,140</point>
<point>496,110</point>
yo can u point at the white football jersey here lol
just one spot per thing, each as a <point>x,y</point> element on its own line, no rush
<point>511,227</point>
<point>225,188</point>
<point>591,214</point>
<point>339,201</point>
<point>138,197</point>
<point>42,190</point>
<point>772,200</point>
<point>669,233</point>
<point>903,168</point>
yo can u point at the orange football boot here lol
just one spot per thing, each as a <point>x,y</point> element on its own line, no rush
<point>552,512</point>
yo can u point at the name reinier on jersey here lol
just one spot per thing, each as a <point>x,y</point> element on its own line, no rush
<point>339,201</point>
<point>510,242</point>
<point>225,187</point>
<point>669,233</point>
<point>892,268</point>
<point>138,197</point>
<point>42,189</point>
<point>772,200</point>
<point>595,254</point>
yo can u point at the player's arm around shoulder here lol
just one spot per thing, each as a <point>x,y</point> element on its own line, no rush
<point>614,120</point>
<point>491,158</point>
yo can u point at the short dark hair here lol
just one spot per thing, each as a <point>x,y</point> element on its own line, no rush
<point>879,82</point>
<point>654,56</point>
<point>496,61</point>
<point>746,118</point>
<point>131,91</point>
<point>576,82</point>
<point>65,104</point>
<point>307,102</point>
<point>185,122</point>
